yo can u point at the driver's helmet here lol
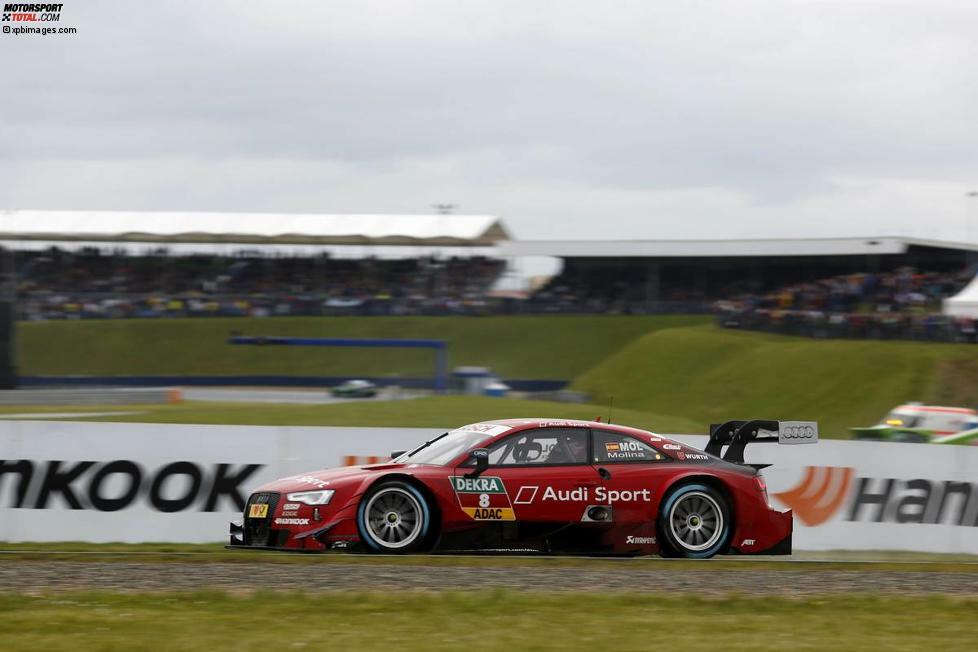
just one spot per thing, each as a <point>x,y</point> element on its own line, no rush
<point>577,446</point>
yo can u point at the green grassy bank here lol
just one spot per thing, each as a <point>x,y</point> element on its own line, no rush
<point>514,347</point>
<point>708,374</point>
<point>673,374</point>
<point>479,620</point>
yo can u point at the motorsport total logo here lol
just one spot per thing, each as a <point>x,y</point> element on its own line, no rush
<point>31,13</point>
<point>826,491</point>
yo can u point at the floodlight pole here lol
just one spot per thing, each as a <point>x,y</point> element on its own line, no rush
<point>969,216</point>
<point>8,320</point>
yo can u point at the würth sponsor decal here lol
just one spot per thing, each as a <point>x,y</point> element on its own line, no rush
<point>116,485</point>
<point>827,490</point>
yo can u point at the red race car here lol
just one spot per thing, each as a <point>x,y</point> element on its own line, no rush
<point>537,485</point>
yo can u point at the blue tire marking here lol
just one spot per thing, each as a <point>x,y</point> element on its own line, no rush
<point>362,522</point>
<point>679,493</point>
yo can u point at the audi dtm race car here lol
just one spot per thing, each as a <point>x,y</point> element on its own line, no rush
<point>536,485</point>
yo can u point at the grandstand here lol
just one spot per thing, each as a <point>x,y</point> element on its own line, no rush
<point>108,264</point>
<point>99,265</point>
<point>91,264</point>
<point>688,276</point>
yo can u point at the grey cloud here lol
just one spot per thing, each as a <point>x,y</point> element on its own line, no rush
<point>771,102</point>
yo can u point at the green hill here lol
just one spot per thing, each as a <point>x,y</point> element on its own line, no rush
<point>708,375</point>
<point>514,347</point>
<point>680,368</point>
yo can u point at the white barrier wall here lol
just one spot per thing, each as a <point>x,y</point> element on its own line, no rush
<point>148,482</point>
<point>860,495</point>
<point>99,482</point>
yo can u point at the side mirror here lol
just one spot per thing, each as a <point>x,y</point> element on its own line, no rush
<point>397,454</point>
<point>481,457</point>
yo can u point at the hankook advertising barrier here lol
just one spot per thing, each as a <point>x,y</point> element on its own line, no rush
<point>146,482</point>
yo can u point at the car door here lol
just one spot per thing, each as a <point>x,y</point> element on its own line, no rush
<point>632,473</point>
<point>540,475</point>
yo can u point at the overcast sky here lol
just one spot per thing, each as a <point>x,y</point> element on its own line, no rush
<point>566,119</point>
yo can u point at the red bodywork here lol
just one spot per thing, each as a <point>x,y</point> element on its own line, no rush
<point>551,498</point>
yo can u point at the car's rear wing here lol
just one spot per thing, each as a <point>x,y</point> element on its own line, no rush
<point>735,435</point>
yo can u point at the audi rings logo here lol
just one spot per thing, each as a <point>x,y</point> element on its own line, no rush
<point>797,432</point>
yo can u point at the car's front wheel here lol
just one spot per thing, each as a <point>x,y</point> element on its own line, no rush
<point>394,517</point>
<point>695,521</point>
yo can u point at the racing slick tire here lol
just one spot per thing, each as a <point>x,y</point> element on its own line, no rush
<point>694,522</point>
<point>394,518</point>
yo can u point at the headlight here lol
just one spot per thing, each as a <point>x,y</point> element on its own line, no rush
<point>311,497</point>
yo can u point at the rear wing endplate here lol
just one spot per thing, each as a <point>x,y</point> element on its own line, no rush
<point>735,435</point>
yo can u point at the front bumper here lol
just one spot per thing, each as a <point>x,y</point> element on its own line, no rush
<point>309,532</point>
<point>319,540</point>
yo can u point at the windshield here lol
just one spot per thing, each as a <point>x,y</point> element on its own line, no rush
<point>444,448</point>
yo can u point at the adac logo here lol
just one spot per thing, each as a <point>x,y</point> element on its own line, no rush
<point>820,493</point>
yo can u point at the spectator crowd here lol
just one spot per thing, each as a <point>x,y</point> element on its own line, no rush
<point>90,284</point>
<point>903,304</point>
<point>94,284</point>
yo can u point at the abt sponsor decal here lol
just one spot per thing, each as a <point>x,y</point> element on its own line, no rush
<point>116,485</point>
<point>826,491</point>
<point>483,498</point>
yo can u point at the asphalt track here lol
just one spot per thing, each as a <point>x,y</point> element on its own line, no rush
<point>749,577</point>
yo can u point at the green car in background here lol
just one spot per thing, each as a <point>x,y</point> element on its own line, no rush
<point>917,423</point>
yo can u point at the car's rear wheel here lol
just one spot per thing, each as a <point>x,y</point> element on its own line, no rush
<point>394,517</point>
<point>695,521</point>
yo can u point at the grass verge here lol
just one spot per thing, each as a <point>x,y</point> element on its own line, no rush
<point>186,553</point>
<point>482,620</point>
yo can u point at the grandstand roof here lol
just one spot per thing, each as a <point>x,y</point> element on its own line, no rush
<point>251,228</point>
<point>779,247</point>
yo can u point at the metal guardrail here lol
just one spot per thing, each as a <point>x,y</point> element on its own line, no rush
<point>91,396</point>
